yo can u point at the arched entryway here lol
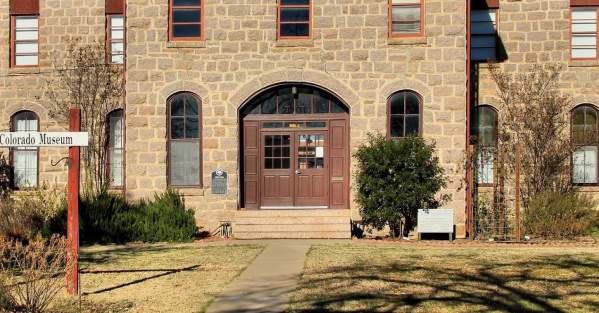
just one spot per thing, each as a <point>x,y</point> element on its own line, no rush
<point>294,149</point>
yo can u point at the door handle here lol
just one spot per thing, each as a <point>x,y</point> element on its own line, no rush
<point>297,172</point>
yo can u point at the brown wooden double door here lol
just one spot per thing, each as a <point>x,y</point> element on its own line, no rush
<point>295,168</point>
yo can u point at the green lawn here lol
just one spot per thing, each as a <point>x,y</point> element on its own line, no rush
<point>362,277</point>
<point>156,278</point>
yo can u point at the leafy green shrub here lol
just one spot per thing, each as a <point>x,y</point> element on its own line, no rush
<point>555,215</point>
<point>394,179</point>
<point>167,219</point>
<point>109,218</point>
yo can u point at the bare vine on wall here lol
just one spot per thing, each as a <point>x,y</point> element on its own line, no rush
<point>85,80</point>
<point>534,117</point>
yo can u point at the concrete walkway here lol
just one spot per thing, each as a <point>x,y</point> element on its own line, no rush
<point>266,285</point>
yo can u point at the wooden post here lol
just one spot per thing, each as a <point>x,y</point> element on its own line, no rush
<point>73,206</point>
<point>517,187</point>
<point>470,191</point>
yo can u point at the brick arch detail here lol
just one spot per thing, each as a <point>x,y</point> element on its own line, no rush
<point>247,91</point>
<point>405,84</point>
<point>184,86</point>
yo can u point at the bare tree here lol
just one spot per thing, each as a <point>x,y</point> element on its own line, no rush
<point>85,80</point>
<point>534,117</point>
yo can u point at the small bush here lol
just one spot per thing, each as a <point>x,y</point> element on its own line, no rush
<point>23,218</point>
<point>166,219</point>
<point>556,215</point>
<point>394,179</point>
<point>109,218</point>
<point>32,273</point>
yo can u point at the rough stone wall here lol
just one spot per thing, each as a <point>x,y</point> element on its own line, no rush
<point>538,32</point>
<point>350,54</point>
<point>22,88</point>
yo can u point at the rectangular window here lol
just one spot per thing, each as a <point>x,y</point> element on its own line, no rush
<point>584,33</point>
<point>115,149</point>
<point>24,40</point>
<point>585,165</point>
<point>294,19</point>
<point>483,35</point>
<point>115,38</point>
<point>186,20</point>
<point>405,18</point>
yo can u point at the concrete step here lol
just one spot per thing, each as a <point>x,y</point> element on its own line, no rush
<point>293,235</point>
<point>295,213</point>
<point>291,220</point>
<point>293,224</point>
<point>291,228</point>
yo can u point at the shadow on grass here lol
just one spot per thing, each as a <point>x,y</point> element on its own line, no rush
<point>410,285</point>
<point>90,257</point>
<point>166,272</point>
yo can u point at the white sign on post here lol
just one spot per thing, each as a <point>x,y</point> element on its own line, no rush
<point>44,139</point>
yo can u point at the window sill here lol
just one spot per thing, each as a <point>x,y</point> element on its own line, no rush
<point>294,43</point>
<point>583,63</point>
<point>24,70</point>
<point>186,44</point>
<point>406,41</point>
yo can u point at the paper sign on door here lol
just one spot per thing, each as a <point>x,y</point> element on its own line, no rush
<point>320,152</point>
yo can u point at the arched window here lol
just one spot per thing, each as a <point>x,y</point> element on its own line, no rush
<point>185,157</point>
<point>24,160</point>
<point>115,148</point>
<point>485,132</point>
<point>584,139</point>
<point>404,112</point>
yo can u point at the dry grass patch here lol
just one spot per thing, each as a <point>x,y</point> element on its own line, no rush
<point>157,278</point>
<point>401,278</point>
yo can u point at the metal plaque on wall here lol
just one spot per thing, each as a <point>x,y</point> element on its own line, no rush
<point>219,182</point>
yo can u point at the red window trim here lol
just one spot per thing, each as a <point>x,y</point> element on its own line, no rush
<point>390,7</point>
<point>110,149</point>
<point>494,146</point>
<point>109,39</point>
<point>13,41</point>
<point>596,33</point>
<point>169,140</point>
<point>576,3</point>
<point>594,108</point>
<point>11,153</point>
<point>485,4</point>
<point>24,7</point>
<point>420,113</point>
<point>171,22</point>
<point>279,22</point>
<point>115,6</point>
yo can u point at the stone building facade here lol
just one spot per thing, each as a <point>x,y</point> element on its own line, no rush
<point>350,53</point>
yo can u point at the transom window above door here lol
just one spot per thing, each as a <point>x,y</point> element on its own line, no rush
<point>294,99</point>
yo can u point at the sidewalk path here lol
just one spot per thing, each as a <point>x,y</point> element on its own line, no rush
<point>266,285</point>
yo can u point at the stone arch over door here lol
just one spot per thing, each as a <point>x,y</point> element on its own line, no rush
<point>294,148</point>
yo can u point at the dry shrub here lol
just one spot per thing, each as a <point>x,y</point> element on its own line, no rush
<point>23,218</point>
<point>555,215</point>
<point>33,273</point>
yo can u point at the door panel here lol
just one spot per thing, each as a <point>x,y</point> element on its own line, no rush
<point>277,172</point>
<point>311,168</point>
<point>251,163</point>
<point>339,180</point>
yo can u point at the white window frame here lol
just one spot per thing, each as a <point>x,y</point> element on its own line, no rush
<point>24,38</point>
<point>113,32</point>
